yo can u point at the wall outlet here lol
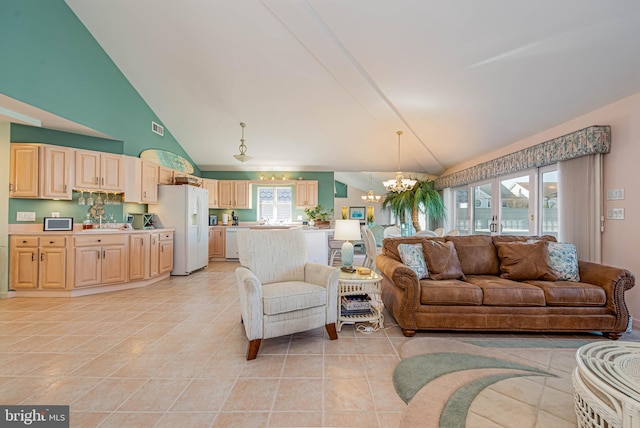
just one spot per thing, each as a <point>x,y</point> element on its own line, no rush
<point>25,216</point>
<point>615,214</point>
<point>55,214</point>
<point>615,194</point>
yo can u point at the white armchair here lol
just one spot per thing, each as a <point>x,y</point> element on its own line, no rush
<point>280,292</point>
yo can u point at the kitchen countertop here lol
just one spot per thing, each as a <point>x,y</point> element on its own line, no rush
<point>20,229</point>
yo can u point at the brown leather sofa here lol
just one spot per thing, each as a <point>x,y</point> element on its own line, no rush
<point>484,301</point>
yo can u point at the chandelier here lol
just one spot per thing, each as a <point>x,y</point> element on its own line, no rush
<point>242,157</point>
<point>371,197</point>
<point>400,184</point>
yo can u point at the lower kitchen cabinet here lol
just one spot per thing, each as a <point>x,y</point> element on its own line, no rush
<point>38,262</point>
<point>100,259</point>
<point>216,243</point>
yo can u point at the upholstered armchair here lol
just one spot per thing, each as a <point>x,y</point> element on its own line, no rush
<point>280,293</point>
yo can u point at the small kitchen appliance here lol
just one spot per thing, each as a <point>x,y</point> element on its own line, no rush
<point>213,220</point>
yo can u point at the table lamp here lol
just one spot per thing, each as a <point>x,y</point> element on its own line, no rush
<point>347,231</point>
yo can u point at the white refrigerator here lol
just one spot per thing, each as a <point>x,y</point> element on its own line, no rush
<point>185,208</point>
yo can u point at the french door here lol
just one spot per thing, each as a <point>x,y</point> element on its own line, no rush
<point>504,206</point>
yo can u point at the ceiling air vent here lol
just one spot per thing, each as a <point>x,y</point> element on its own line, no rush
<point>158,129</point>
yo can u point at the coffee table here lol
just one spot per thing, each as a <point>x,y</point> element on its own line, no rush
<point>606,384</point>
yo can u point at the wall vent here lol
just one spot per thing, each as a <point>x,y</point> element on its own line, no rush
<point>158,129</point>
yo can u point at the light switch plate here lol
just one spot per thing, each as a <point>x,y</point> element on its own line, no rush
<point>615,194</point>
<point>615,214</point>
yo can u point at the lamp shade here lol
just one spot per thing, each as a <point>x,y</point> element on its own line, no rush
<point>347,230</point>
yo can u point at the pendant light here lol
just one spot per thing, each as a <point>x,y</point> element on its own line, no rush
<point>371,197</point>
<point>242,157</point>
<point>400,184</point>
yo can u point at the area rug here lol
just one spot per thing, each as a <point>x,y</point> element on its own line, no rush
<point>500,382</point>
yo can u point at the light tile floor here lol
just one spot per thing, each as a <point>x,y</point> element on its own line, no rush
<point>173,354</point>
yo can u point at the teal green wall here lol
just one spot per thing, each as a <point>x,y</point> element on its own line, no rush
<point>51,61</point>
<point>325,189</point>
<point>32,134</point>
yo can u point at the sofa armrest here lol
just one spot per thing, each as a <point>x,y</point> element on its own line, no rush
<point>325,276</point>
<point>250,291</point>
<point>400,290</point>
<point>615,281</point>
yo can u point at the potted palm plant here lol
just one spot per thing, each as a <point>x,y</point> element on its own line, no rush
<point>422,197</point>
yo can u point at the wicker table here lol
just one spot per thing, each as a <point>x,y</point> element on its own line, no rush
<point>350,284</point>
<point>606,385</point>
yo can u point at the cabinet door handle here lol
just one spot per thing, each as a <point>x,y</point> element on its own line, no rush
<point>162,248</point>
<point>65,188</point>
<point>98,254</point>
<point>97,180</point>
<point>41,257</point>
<point>104,254</point>
<point>33,257</point>
<point>103,181</point>
<point>10,187</point>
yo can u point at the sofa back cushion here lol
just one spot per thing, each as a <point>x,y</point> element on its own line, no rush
<point>390,245</point>
<point>477,254</point>
<point>520,261</point>
<point>442,260</point>
<point>521,238</point>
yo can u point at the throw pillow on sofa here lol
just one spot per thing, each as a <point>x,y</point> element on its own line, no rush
<point>413,256</point>
<point>564,261</point>
<point>442,260</point>
<point>522,261</point>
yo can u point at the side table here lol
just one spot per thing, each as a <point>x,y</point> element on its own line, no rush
<point>350,284</point>
<point>606,384</point>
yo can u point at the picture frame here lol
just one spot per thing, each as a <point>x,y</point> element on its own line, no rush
<point>357,213</point>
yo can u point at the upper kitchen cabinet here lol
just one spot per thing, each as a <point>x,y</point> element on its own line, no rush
<point>212,187</point>
<point>165,175</point>
<point>96,170</point>
<point>306,193</point>
<point>40,171</point>
<point>234,194</point>
<point>23,167</point>
<point>141,180</point>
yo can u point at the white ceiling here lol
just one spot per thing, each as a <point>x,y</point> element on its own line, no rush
<point>324,84</point>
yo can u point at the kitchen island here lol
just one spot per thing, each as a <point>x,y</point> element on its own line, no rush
<point>317,241</point>
<point>78,263</point>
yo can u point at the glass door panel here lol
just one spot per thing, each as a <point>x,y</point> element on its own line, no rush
<point>549,224</point>
<point>514,206</point>
<point>461,211</point>
<point>483,216</point>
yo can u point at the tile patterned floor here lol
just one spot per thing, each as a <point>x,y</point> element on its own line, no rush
<point>173,354</point>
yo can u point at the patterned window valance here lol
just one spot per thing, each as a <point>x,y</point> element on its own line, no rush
<point>594,139</point>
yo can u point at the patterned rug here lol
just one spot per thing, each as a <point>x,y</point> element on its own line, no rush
<point>501,382</point>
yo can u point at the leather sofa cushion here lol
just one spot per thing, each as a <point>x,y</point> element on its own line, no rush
<point>565,293</point>
<point>280,297</point>
<point>390,245</point>
<point>477,254</point>
<point>449,292</point>
<point>442,260</point>
<point>521,238</point>
<point>498,291</point>
<point>525,260</point>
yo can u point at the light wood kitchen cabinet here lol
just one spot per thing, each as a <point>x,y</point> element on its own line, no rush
<point>216,243</point>
<point>160,253</point>
<point>40,171</point>
<point>38,262</point>
<point>139,256</point>
<point>165,253</point>
<point>165,175</point>
<point>234,194</point>
<point>212,187</point>
<point>99,171</point>
<point>100,259</point>
<point>149,182</point>
<point>23,167</point>
<point>306,193</point>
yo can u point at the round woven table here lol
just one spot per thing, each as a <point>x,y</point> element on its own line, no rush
<point>606,385</point>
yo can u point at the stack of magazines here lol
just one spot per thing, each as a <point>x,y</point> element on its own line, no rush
<point>359,304</point>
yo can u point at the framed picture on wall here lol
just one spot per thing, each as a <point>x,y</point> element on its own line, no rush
<point>357,213</point>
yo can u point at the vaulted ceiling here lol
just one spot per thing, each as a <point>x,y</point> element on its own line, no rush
<point>325,84</point>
